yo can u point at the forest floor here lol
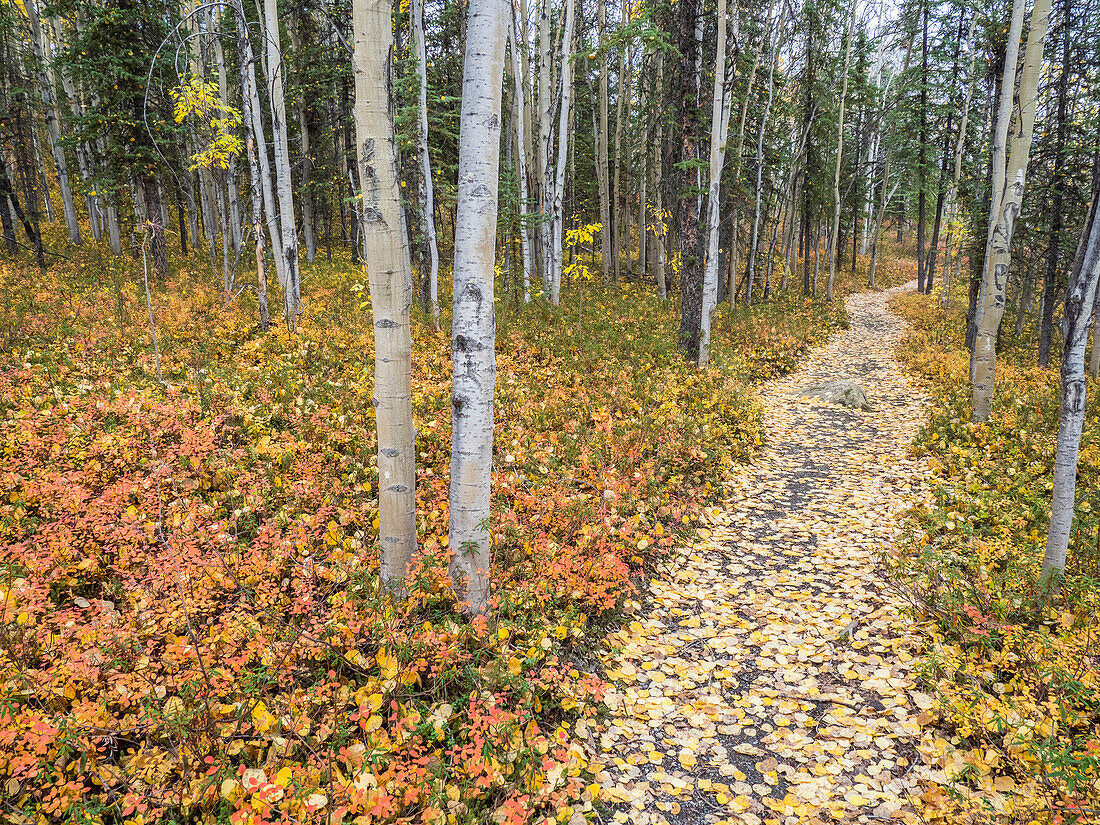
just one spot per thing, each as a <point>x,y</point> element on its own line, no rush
<point>772,675</point>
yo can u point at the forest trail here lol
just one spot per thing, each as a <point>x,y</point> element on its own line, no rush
<point>771,678</point>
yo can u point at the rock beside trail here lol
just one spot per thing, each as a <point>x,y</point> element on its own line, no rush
<point>847,393</point>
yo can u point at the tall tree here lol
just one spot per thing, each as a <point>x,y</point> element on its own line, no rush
<point>389,275</point>
<point>1006,208</point>
<point>474,324</point>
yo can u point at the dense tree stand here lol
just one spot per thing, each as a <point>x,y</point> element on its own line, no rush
<point>774,661</point>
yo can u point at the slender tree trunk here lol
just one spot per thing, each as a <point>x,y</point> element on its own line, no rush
<point>544,228</point>
<point>1007,209</point>
<point>619,203</point>
<point>427,190</point>
<point>922,172</point>
<point>691,270</point>
<point>474,328</point>
<point>255,177</point>
<point>283,179</point>
<point>960,142</point>
<point>390,278</point>
<point>834,235</point>
<point>248,72</point>
<point>53,129</point>
<point>735,231</point>
<point>721,105</point>
<point>1057,184</point>
<point>558,213</point>
<point>607,249</point>
<point>521,155</point>
<point>660,225</point>
<point>1080,301</point>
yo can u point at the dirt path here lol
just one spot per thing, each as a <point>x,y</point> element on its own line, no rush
<point>772,679</point>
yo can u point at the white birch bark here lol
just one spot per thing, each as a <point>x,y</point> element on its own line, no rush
<point>999,149</point>
<point>389,275</point>
<point>248,72</point>
<point>719,127</point>
<point>521,152</point>
<point>305,160</point>
<point>1080,301</point>
<point>558,217</point>
<point>839,156</point>
<point>735,233</point>
<point>606,248</point>
<point>53,129</point>
<point>283,179</point>
<point>544,229</point>
<point>474,326</point>
<point>1007,209</point>
<point>427,191</point>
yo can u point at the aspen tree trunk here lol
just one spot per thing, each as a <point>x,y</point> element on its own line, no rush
<point>427,192</point>
<point>521,153</point>
<point>922,187</point>
<point>250,88</point>
<point>255,177</point>
<point>53,130</point>
<point>389,276</point>
<point>643,173</point>
<point>1001,112</point>
<point>876,231</point>
<point>1080,302</point>
<point>283,179</point>
<point>1094,356</point>
<point>544,228</point>
<point>719,126</point>
<point>660,229</point>
<point>305,160</point>
<point>619,203</point>
<point>93,202</point>
<point>691,272</point>
<point>558,216</point>
<point>960,142</point>
<point>1007,209</point>
<point>474,327</point>
<point>751,269</point>
<point>735,232</point>
<point>607,250</point>
<point>833,236</point>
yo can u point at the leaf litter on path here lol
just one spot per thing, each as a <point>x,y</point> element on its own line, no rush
<point>771,680</point>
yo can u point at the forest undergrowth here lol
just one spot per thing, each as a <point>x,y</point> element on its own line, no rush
<point>192,626</point>
<point>1014,666</point>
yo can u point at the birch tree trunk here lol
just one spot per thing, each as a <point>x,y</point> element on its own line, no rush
<point>521,153</point>
<point>1080,301</point>
<point>558,216</point>
<point>689,27</point>
<point>474,326</point>
<point>255,177</point>
<point>53,130</point>
<point>389,276</point>
<point>305,160</point>
<point>839,157</point>
<point>427,192</point>
<point>251,89</point>
<point>735,232</point>
<point>602,167</point>
<point>544,229</point>
<point>719,126</point>
<point>660,229</point>
<point>283,179</point>
<point>619,203</point>
<point>232,196</point>
<point>1007,209</point>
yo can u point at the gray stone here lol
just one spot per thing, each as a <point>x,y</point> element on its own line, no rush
<point>847,393</point>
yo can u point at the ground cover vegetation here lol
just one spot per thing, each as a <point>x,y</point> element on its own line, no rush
<point>195,624</point>
<point>361,360</point>
<point>1012,665</point>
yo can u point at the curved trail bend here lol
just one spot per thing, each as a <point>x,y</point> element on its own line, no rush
<point>772,679</point>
